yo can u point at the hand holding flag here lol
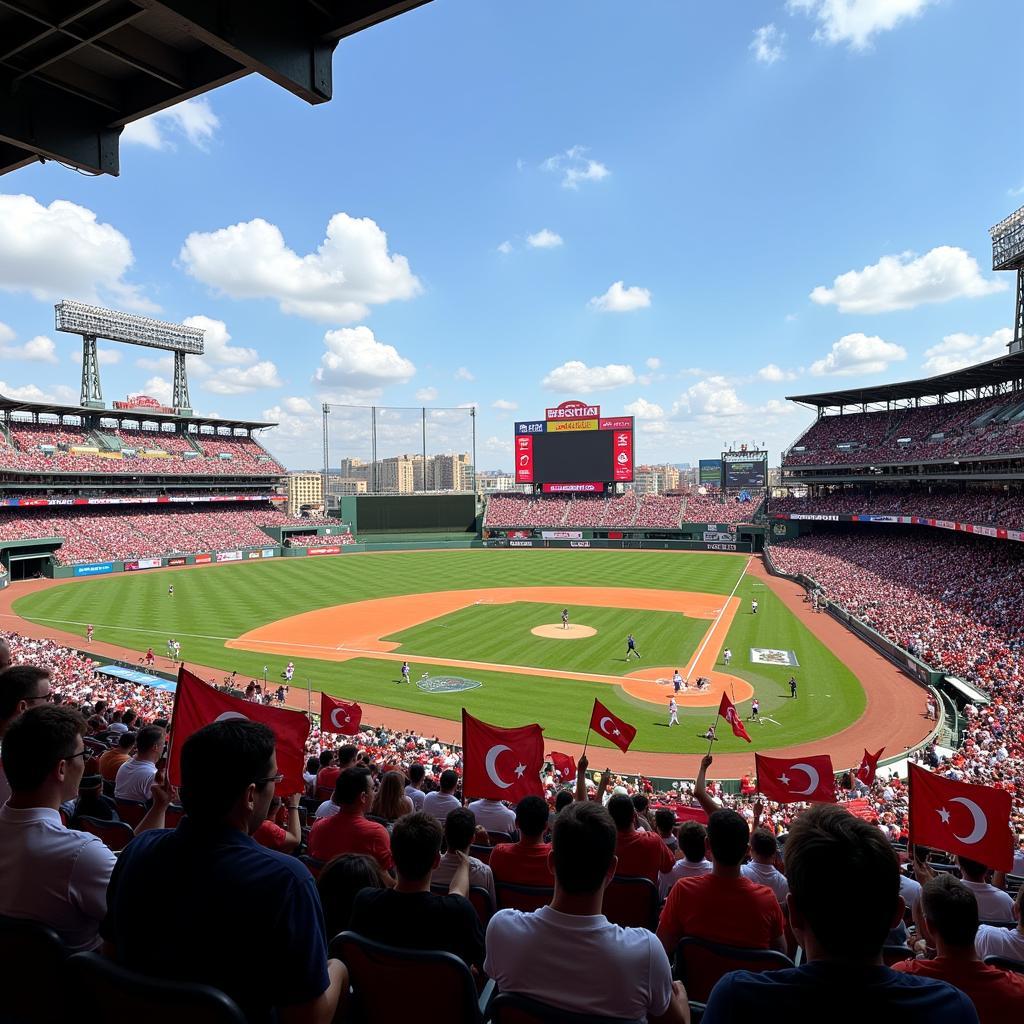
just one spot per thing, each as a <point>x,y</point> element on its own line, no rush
<point>563,764</point>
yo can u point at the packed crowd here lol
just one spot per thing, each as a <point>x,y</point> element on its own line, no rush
<point>558,512</point>
<point>711,508</point>
<point>321,540</point>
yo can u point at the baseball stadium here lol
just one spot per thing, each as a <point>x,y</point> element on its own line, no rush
<point>311,697</point>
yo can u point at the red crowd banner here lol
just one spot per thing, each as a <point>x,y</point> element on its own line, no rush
<point>622,448</point>
<point>524,458</point>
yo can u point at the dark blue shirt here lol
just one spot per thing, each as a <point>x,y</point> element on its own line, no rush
<point>215,907</point>
<point>827,993</point>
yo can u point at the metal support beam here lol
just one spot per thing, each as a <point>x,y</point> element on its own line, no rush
<point>92,392</point>
<point>1017,345</point>
<point>180,399</point>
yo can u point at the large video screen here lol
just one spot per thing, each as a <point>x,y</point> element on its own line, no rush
<point>573,456</point>
<point>752,473</point>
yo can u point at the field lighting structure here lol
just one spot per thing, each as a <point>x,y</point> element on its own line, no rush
<point>1008,254</point>
<point>92,322</point>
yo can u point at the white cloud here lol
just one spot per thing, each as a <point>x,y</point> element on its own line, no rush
<point>856,21</point>
<point>350,271</point>
<point>576,167</point>
<point>158,364</point>
<point>767,44</point>
<point>653,363</point>
<point>958,350</point>
<point>426,394</point>
<point>463,374</point>
<point>300,406</point>
<point>107,356</point>
<point>775,407</point>
<point>216,343</point>
<point>505,405</point>
<point>194,119</point>
<point>36,350</point>
<point>544,239</point>
<point>505,248</point>
<point>714,396</point>
<point>355,359</point>
<point>856,355</point>
<point>907,281</point>
<point>63,251</point>
<point>578,378</point>
<point>237,380</point>
<point>775,374</point>
<point>644,410</point>
<point>158,388</point>
<point>621,300</point>
<point>33,393</point>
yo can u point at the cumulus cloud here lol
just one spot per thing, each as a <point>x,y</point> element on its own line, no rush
<point>959,350</point>
<point>61,393</point>
<point>159,388</point>
<point>857,354</point>
<point>855,22</point>
<point>576,167</point>
<point>237,380</point>
<point>193,120</point>
<point>463,374</point>
<point>578,378</point>
<point>619,299</point>
<point>107,356</point>
<point>644,410</point>
<point>505,247</point>
<point>653,363</point>
<point>505,405</point>
<point>907,281</point>
<point>713,396</point>
<point>544,239</point>
<point>355,360</point>
<point>767,44</point>
<point>216,343</point>
<point>36,350</point>
<point>350,271</point>
<point>426,394</point>
<point>775,374</point>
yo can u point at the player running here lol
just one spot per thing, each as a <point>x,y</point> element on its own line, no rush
<point>405,672</point>
<point>631,647</point>
<point>753,607</point>
<point>673,712</point>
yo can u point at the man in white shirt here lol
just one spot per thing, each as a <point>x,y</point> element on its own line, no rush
<point>693,846</point>
<point>993,904</point>
<point>21,687</point>
<point>494,816</point>
<point>135,777</point>
<point>761,869</point>
<point>459,831</point>
<point>588,965</point>
<point>992,940</point>
<point>414,791</point>
<point>439,804</point>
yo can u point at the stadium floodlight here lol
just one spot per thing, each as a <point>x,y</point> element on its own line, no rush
<point>1008,242</point>
<point>112,325</point>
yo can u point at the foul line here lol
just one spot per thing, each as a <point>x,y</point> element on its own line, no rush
<point>718,618</point>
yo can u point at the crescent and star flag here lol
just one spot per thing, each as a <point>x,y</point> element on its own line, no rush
<point>790,780</point>
<point>973,821</point>
<point>501,764</point>
<point>196,705</point>
<point>608,725</point>
<point>868,766</point>
<point>564,764</point>
<point>727,710</point>
<point>339,716</point>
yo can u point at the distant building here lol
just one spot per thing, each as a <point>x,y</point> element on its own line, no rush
<point>646,480</point>
<point>305,493</point>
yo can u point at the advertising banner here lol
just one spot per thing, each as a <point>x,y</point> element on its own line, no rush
<point>615,423</point>
<point>143,563</point>
<point>560,426</point>
<point>520,543</point>
<point>252,554</point>
<point>573,411</point>
<point>94,569</point>
<point>622,448</point>
<point>709,471</point>
<point>524,459</point>
<point>530,427</point>
<point>324,551</point>
<point>521,534</point>
<point>579,543</point>
<point>161,499</point>
<point>592,487</point>
<point>562,534</point>
<point>715,537</point>
<point>228,556</point>
<point>203,559</point>
<point>178,561</point>
<point>268,552</point>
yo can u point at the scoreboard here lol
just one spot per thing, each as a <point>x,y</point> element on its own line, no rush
<point>746,472</point>
<point>574,449</point>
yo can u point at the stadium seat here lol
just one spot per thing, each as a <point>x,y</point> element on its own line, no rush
<point>482,853</point>
<point>374,969</point>
<point>698,963</point>
<point>116,835</point>
<point>34,955</point>
<point>501,837</point>
<point>896,954</point>
<point>479,897</point>
<point>509,1008</point>
<point>105,991</point>
<point>1017,966</point>
<point>632,902</point>
<point>131,812</point>
<point>522,897</point>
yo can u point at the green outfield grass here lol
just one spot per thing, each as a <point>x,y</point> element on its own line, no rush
<point>500,634</point>
<point>218,603</point>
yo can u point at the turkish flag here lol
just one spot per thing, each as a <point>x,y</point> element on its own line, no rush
<point>564,764</point>
<point>196,705</point>
<point>501,764</point>
<point>608,725</point>
<point>960,818</point>
<point>727,710</point>
<point>791,780</point>
<point>339,716</point>
<point>868,766</point>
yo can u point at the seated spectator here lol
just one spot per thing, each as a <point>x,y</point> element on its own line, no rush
<point>723,906</point>
<point>340,881</point>
<point>693,837</point>
<point>414,791</point>
<point>843,900</point>
<point>410,915</point>
<point>494,816</point>
<point>21,687</point>
<point>764,850</point>
<point>641,805</point>
<point>349,831</point>
<point>563,798</point>
<point>269,834</point>
<point>112,759</point>
<point>91,802</point>
<point>460,830</point>
<point>1007,942</point>
<point>309,776</point>
<point>390,801</point>
<point>568,954</point>
<point>134,778</point>
<point>167,905</point>
<point>526,862</point>
<point>948,921</point>
<point>640,854</point>
<point>330,805</point>
<point>336,762</point>
<point>440,802</point>
<point>993,904</point>
<point>664,825</point>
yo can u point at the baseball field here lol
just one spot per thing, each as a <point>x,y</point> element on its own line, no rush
<point>483,630</point>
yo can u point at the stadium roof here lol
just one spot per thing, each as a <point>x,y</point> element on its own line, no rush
<point>75,72</point>
<point>995,371</point>
<point>14,405</point>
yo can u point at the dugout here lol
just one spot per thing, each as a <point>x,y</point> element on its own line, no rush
<point>408,517</point>
<point>27,559</point>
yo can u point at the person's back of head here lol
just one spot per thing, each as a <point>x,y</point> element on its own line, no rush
<point>844,884</point>
<point>347,756</point>
<point>149,740</point>
<point>326,758</point>
<point>950,911</point>
<point>126,741</point>
<point>340,881</point>
<point>583,847</point>
<point>459,827</point>
<point>623,813</point>
<point>972,870</point>
<point>693,838</point>
<point>664,822</point>
<point>532,817</point>
<point>640,803</point>
<point>22,686</point>
<point>36,742</point>
<point>416,773</point>
<point>562,800</point>
<point>728,837</point>
<point>312,765</point>
<point>5,655</point>
<point>416,845</point>
<point>352,785</point>
<point>449,780</point>
<point>128,717</point>
<point>763,845</point>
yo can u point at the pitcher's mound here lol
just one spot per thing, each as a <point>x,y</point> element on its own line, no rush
<point>558,632</point>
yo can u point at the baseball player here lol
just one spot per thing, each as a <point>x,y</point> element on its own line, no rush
<point>727,655</point>
<point>149,657</point>
<point>88,633</point>
<point>631,647</point>
<point>565,618</point>
<point>405,672</point>
<point>792,687</point>
<point>753,607</point>
<point>677,681</point>
<point>673,712</point>
<point>177,650</point>
<point>755,709</point>
<point>170,590</point>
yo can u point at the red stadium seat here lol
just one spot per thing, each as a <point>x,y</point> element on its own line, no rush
<point>115,834</point>
<point>479,897</point>
<point>632,902</point>
<point>700,963</point>
<point>522,897</point>
<point>131,812</point>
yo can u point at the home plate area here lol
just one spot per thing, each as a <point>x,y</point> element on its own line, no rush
<point>556,631</point>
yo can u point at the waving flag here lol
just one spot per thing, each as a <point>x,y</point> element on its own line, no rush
<point>790,780</point>
<point>868,766</point>
<point>339,716</point>
<point>727,710</point>
<point>501,764</point>
<point>564,764</point>
<point>608,725</point>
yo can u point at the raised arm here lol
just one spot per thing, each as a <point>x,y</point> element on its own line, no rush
<point>709,803</point>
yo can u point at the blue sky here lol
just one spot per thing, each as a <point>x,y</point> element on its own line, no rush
<point>685,214</point>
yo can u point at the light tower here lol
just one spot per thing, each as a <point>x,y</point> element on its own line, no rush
<point>1008,254</point>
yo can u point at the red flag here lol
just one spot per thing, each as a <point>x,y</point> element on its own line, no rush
<point>608,725</point>
<point>868,766</point>
<point>564,764</point>
<point>973,821</point>
<point>339,716</point>
<point>501,764</point>
<point>790,780</point>
<point>196,705</point>
<point>728,711</point>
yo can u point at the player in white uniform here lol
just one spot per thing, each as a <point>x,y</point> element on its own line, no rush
<point>727,655</point>
<point>673,712</point>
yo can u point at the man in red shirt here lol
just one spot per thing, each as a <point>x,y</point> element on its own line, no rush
<point>349,831</point>
<point>641,854</point>
<point>525,862</point>
<point>270,834</point>
<point>723,906</point>
<point>947,917</point>
<point>335,765</point>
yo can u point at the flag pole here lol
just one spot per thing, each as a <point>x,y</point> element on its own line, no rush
<point>714,729</point>
<point>309,696</point>
<point>585,742</point>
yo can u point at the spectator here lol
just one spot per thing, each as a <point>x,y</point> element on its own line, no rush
<point>340,881</point>
<point>439,803</point>
<point>843,900</point>
<point>948,920</point>
<point>410,915</point>
<point>723,906</point>
<point>764,851</point>
<point>111,760</point>
<point>460,829</point>
<point>349,831</point>
<point>390,801</point>
<point>337,762</point>
<point>270,834</point>
<point>527,861</point>
<point>5,655</point>
<point>568,954</point>
<point>309,776</point>
<point>494,816</point>
<point>664,825</point>
<point>414,791</point>
<point>693,838</point>
<point>134,778</point>
<point>91,802</point>
<point>330,805</point>
<point>163,914</point>
<point>21,687</point>
<point>640,854</point>
<point>994,940</point>
<point>993,904</point>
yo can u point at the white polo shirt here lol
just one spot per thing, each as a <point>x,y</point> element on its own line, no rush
<point>993,903</point>
<point>326,809</point>
<point>681,869</point>
<point>416,796</point>
<point>440,805</point>
<point>134,780</point>
<point>494,815</point>
<point>994,941</point>
<point>53,874</point>
<point>910,890</point>
<point>479,873</point>
<point>580,964</point>
<point>767,874</point>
